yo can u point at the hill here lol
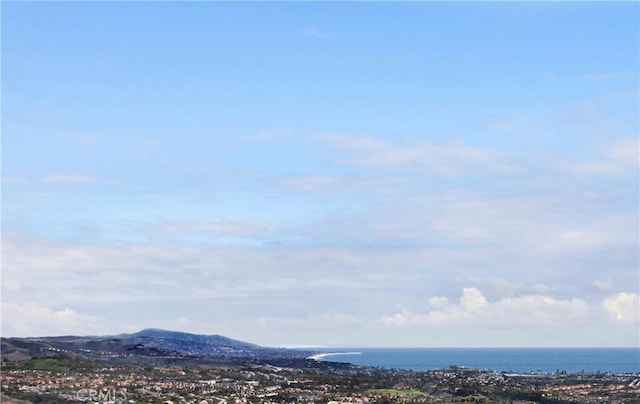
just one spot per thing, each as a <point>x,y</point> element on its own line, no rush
<point>186,340</point>
<point>139,347</point>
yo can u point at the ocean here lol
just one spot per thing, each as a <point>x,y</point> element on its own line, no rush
<point>539,360</point>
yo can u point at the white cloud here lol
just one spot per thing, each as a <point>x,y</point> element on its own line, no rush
<point>603,285</point>
<point>314,328</point>
<point>439,159</point>
<point>31,319</point>
<point>178,274</point>
<point>312,321</point>
<point>12,285</point>
<point>510,312</point>
<point>622,156</point>
<point>624,306</point>
<point>423,242</point>
<point>221,228</point>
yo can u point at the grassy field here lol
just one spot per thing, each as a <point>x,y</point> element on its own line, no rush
<point>396,392</point>
<point>51,364</point>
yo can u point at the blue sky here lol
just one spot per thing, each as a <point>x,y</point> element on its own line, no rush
<point>372,174</point>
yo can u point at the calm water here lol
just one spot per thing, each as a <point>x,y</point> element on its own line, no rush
<point>547,360</point>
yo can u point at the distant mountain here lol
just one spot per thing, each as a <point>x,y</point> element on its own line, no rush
<point>147,343</point>
<point>182,337</point>
<point>190,344</point>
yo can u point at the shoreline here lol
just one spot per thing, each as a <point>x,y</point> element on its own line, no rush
<point>318,357</point>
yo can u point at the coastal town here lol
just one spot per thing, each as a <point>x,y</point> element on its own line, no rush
<point>62,380</point>
<point>170,367</point>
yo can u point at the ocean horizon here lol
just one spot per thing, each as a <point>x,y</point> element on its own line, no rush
<point>521,360</point>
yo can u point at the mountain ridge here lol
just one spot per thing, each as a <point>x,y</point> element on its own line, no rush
<point>149,342</point>
<point>213,339</point>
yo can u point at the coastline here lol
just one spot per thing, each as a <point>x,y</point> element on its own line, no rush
<point>511,360</point>
<point>318,357</point>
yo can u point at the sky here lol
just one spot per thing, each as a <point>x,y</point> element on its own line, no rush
<point>323,173</point>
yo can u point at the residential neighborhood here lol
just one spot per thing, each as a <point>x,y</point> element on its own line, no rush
<point>64,381</point>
